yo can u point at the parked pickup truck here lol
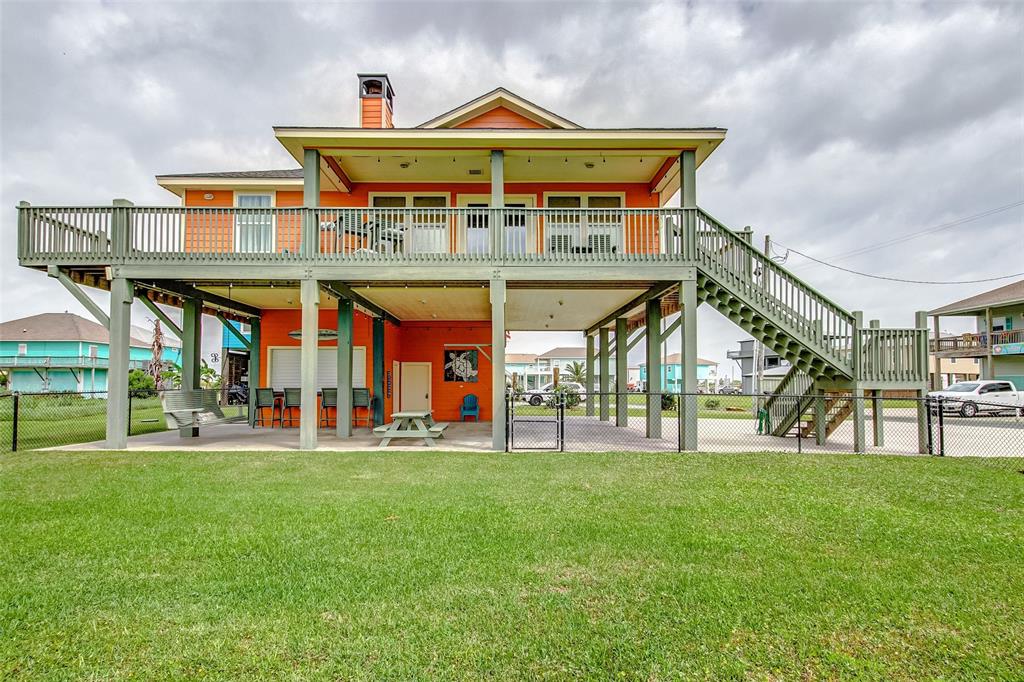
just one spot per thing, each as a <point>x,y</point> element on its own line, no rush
<point>969,398</point>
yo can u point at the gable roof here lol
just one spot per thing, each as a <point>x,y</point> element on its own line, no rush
<point>285,173</point>
<point>520,358</point>
<point>1005,295</point>
<point>499,97</point>
<point>58,327</point>
<point>565,352</point>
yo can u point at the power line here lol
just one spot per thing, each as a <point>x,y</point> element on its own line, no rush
<point>920,233</point>
<point>897,279</point>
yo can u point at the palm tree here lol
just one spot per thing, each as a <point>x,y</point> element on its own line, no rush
<point>576,371</point>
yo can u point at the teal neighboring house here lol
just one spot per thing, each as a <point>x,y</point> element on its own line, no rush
<point>671,372</point>
<point>55,352</point>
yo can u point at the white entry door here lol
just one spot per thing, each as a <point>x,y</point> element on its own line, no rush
<point>415,386</point>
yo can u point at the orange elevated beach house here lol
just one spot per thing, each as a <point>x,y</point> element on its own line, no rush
<point>396,260</point>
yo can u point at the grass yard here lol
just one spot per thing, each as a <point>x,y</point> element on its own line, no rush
<point>434,565</point>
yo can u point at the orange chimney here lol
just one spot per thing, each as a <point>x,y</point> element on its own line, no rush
<point>376,101</point>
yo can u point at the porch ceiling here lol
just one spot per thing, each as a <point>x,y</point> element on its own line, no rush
<point>520,166</point>
<point>536,309</point>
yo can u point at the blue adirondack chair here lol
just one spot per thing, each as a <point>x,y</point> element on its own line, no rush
<point>470,407</point>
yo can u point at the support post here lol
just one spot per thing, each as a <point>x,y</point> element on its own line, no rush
<point>378,370</point>
<point>936,375</point>
<point>653,325</point>
<point>604,371</point>
<point>621,373</point>
<point>120,233</point>
<point>923,427</point>
<point>254,366</point>
<point>688,201</point>
<point>309,294</point>
<point>589,363</point>
<point>121,295</point>
<point>498,407</point>
<point>191,353</point>
<point>191,344</point>
<point>820,415</point>
<point>877,422</point>
<point>343,421</point>
<point>688,360</point>
<point>989,370</point>
<point>859,427</point>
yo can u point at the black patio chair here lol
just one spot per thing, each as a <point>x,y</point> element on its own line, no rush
<point>328,401</point>
<point>265,399</point>
<point>292,400</point>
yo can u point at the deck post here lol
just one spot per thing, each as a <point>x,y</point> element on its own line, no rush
<point>310,243</point>
<point>936,376</point>
<point>497,292</point>
<point>121,295</point>
<point>254,366</point>
<point>343,420</point>
<point>688,361</point>
<point>589,383</point>
<point>653,387</point>
<point>378,370</point>
<point>191,353</point>
<point>497,222</point>
<point>309,293</point>
<point>604,372</point>
<point>859,427</point>
<point>621,373</point>
<point>688,200</point>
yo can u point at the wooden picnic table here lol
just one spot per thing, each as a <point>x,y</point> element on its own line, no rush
<point>416,424</point>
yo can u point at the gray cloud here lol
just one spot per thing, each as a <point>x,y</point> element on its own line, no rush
<point>848,123</point>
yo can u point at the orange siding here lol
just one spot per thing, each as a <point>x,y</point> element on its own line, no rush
<point>500,117</point>
<point>220,236</point>
<point>411,342</point>
<point>424,342</point>
<point>371,112</point>
<point>209,233</point>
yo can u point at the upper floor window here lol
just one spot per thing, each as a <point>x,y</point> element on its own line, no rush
<point>22,349</point>
<point>254,229</point>
<point>424,231</point>
<point>574,231</point>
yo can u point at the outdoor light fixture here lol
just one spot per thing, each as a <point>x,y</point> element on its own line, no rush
<point>404,164</point>
<point>208,196</point>
<point>589,164</point>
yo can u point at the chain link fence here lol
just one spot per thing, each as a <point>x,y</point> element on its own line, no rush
<point>32,421</point>
<point>566,421</point>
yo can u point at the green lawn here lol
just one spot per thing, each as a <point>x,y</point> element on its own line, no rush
<point>435,565</point>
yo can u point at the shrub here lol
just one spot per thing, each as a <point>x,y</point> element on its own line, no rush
<point>564,393</point>
<point>141,384</point>
<point>712,403</point>
<point>668,401</point>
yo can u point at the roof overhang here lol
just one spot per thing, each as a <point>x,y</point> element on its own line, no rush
<point>178,184</point>
<point>628,155</point>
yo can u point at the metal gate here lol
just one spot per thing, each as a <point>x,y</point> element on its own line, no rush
<point>535,427</point>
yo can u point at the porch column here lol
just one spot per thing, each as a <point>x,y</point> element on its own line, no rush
<point>859,429</point>
<point>310,296</point>
<point>121,294</point>
<point>497,202</point>
<point>191,353</point>
<point>621,373</point>
<point>653,368</point>
<point>590,385</point>
<point>254,366</point>
<point>688,360</point>
<point>921,323</point>
<point>934,357</point>
<point>989,367</point>
<point>343,426</point>
<point>878,437</point>
<point>498,364</point>
<point>310,243</point>
<point>688,178</point>
<point>605,371</point>
<point>378,370</point>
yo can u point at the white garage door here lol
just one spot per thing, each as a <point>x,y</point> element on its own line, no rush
<point>285,367</point>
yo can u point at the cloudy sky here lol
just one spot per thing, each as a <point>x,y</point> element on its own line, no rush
<point>849,124</point>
